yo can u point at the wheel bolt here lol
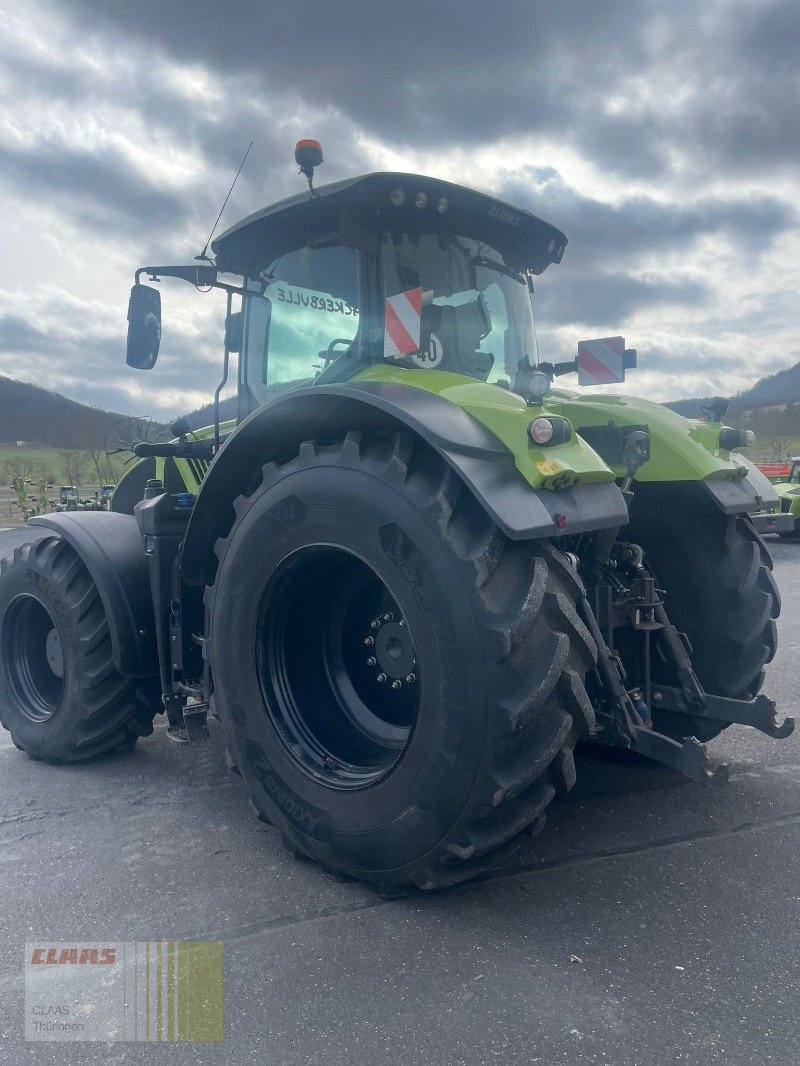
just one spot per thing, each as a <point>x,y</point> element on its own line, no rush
<point>388,617</point>
<point>397,684</point>
<point>369,640</point>
<point>410,679</point>
<point>401,622</point>
<point>371,660</point>
<point>374,623</point>
<point>380,678</point>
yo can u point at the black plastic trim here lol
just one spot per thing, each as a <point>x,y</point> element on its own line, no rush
<point>110,547</point>
<point>751,493</point>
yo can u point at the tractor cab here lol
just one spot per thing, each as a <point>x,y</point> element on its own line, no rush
<point>386,268</point>
<point>68,498</point>
<point>389,268</point>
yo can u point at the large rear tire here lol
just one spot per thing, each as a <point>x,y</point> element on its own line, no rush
<point>61,697</point>
<point>717,575</point>
<point>402,687</point>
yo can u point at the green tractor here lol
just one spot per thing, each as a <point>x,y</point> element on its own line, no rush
<point>101,501</point>
<point>413,574</point>
<point>787,509</point>
<point>68,499</point>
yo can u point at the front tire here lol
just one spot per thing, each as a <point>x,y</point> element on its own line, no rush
<point>717,575</point>
<point>402,686</point>
<point>61,697</point>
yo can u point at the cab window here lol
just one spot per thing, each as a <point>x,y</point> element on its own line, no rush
<point>306,317</point>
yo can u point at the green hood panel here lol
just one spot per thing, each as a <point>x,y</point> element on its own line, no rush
<point>507,416</point>
<point>681,449</point>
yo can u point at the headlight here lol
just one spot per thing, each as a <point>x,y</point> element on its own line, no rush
<point>541,431</point>
<point>550,430</point>
<point>731,439</point>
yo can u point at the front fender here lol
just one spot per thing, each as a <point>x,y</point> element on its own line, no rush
<point>325,412</point>
<point>110,547</point>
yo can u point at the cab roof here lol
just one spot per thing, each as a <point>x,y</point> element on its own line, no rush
<point>357,210</point>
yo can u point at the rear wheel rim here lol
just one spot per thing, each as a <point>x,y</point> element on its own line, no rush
<point>33,658</point>
<point>337,667</point>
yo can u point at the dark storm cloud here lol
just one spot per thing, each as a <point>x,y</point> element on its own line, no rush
<point>58,343</point>
<point>467,71</point>
<point>98,187</point>
<point>601,281</point>
<point>604,301</point>
<point>600,231</point>
<point>140,108</point>
<point>747,118</point>
<point>422,74</point>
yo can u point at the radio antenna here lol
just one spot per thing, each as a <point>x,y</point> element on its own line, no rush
<point>203,255</point>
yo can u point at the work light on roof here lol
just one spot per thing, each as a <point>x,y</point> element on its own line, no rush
<point>307,155</point>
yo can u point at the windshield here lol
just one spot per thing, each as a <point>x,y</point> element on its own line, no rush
<point>458,307</point>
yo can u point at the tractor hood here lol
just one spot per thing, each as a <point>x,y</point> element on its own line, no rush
<point>356,211</point>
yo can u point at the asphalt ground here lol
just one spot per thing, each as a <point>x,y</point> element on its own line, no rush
<point>652,922</point>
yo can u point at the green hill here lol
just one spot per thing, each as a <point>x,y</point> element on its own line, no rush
<point>34,415</point>
<point>775,390</point>
<point>770,407</point>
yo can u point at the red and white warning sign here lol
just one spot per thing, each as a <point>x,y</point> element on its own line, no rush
<point>601,362</point>
<point>401,333</point>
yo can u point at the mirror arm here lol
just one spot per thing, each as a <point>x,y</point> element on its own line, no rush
<point>199,276</point>
<point>225,367</point>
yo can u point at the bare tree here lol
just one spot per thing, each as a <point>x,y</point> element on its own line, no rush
<point>20,468</point>
<point>74,466</point>
<point>97,431</point>
<point>779,443</point>
<point>99,462</point>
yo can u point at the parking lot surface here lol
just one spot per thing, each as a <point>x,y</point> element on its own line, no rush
<point>652,922</point>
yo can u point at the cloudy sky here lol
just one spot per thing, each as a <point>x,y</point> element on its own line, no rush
<point>663,138</point>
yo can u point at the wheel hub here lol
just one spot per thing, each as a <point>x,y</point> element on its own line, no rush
<point>337,666</point>
<point>393,652</point>
<point>32,657</point>
<point>55,653</point>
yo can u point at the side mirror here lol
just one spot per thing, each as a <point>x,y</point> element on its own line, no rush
<point>144,327</point>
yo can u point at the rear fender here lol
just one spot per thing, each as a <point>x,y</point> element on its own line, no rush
<point>325,412</point>
<point>110,547</point>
